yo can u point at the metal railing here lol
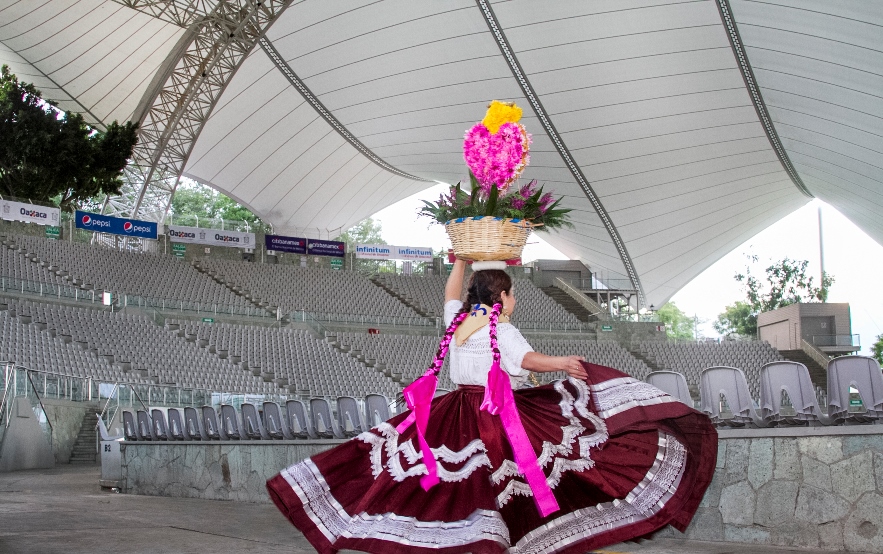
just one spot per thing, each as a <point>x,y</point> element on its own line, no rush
<point>361,319</point>
<point>18,382</point>
<point>197,308</point>
<point>53,290</point>
<point>837,340</point>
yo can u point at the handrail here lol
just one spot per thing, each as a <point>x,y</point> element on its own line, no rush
<point>813,352</point>
<point>6,374</point>
<point>361,319</point>
<point>114,393</point>
<point>590,305</point>
<point>42,407</point>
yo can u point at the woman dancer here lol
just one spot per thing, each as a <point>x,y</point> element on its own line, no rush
<point>575,465</point>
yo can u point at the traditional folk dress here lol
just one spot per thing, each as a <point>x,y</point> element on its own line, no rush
<point>617,459</point>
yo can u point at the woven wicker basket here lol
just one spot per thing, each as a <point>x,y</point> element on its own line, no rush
<point>488,238</point>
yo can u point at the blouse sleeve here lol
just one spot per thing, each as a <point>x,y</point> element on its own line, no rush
<point>451,309</point>
<point>513,348</point>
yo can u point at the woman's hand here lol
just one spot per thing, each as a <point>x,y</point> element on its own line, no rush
<point>541,363</point>
<point>574,367</point>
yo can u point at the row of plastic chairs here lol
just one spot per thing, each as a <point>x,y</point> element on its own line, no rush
<point>296,420</point>
<point>844,374</point>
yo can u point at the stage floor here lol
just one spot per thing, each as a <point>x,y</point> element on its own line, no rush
<point>63,510</point>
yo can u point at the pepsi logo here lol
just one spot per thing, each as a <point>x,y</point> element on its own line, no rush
<point>87,220</point>
<point>127,226</point>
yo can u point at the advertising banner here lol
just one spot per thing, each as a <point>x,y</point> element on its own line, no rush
<point>213,237</point>
<point>388,252</point>
<point>316,247</point>
<point>413,253</point>
<point>374,251</point>
<point>98,223</point>
<point>29,213</point>
<point>281,243</point>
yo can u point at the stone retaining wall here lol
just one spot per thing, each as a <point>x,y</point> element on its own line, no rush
<point>807,487</point>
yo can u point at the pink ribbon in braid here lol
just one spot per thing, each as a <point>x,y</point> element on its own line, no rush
<point>499,400</point>
<point>418,396</point>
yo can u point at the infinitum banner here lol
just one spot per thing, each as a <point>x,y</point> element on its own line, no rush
<point>30,213</point>
<point>213,237</point>
<point>389,252</point>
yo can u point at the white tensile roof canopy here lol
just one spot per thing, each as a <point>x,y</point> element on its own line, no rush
<point>674,130</point>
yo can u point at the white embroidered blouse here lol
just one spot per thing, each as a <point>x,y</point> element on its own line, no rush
<point>471,361</point>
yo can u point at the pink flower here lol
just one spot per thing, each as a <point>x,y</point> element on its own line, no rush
<point>496,159</point>
<point>518,202</point>
<point>546,201</point>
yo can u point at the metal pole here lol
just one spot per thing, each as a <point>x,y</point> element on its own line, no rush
<point>821,249</point>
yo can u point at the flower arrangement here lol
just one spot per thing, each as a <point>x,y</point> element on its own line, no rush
<point>497,151</point>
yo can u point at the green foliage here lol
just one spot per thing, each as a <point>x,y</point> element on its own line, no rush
<point>877,349</point>
<point>737,319</point>
<point>203,202</point>
<point>46,156</point>
<point>529,202</point>
<point>785,283</point>
<point>366,231</point>
<point>678,324</point>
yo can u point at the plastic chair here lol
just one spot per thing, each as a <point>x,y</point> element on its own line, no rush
<point>251,423</point>
<point>274,424</point>
<point>376,409</point>
<point>160,432</point>
<point>730,383</point>
<point>210,425</point>
<point>862,373</point>
<point>144,429</point>
<point>672,383</point>
<point>348,419</point>
<point>792,378</point>
<point>326,426</point>
<point>176,425</point>
<point>193,431</point>
<point>130,428</point>
<point>299,422</point>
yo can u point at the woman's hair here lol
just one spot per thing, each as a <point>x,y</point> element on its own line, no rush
<point>485,287</point>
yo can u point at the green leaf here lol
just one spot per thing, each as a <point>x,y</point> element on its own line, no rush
<point>492,201</point>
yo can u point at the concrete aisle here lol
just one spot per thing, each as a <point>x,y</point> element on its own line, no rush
<point>63,510</point>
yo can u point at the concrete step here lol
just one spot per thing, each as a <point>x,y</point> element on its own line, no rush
<point>817,373</point>
<point>566,302</point>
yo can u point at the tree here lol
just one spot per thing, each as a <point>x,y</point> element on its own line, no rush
<point>678,324</point>
<point>785,283</point>
<point>366,231</point>
<point>877,349</point>
<point>46,155</point>
<point>737,319</point>
<point>203,202</point>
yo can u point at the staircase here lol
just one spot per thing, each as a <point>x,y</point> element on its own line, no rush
<point>84,447</point>
<point>568,303</point>
<point>402,299</point>
<point>817,373</point>
<point>649,360</point>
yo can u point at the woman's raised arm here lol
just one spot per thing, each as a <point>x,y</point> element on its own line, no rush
<point>541,363</point>
<point>454,286</point>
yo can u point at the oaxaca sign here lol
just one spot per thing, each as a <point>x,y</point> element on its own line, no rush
<point>389,252</point>
<point>29,213</point>
<point>213,237</point>
<point>98,223</point>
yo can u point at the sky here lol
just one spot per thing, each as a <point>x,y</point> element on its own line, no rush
<point>851,256</point>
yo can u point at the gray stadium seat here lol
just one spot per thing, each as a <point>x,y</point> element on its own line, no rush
<point>210,424</point>
<point>251,423</point>
<point>193,430</point>
<point>160,431</point>
<point>860,372</point>
<point>326,426</point>
<point>376,409</point>
<point>144,429</point>
<point>176,425</point>
<point>792,378</point>
<point>130,428</point>
<point>231,427</point>
<point>274,424</point>
<point>729,383</point>
<point>349,421</point>
<point>299,421</point>
<point>673,383</point>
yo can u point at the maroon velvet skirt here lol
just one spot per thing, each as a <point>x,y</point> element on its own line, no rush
<point>623,459</point>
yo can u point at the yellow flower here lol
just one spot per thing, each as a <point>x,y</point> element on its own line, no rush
<point>499,113</point>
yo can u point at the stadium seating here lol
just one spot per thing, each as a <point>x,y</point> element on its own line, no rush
<point>534,307</point>
<point>690,358</point>
<point>315,290</point>
<point>148,275</point>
